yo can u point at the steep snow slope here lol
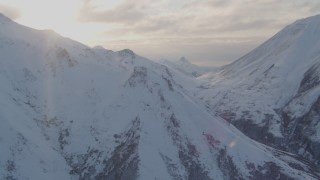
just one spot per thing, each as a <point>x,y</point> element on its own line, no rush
<point>74,112</point>
<point>272,93</point>
<point>185,67</point>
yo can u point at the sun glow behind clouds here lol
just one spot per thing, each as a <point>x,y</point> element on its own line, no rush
<point>205,31</point>
<point>58,15</point>
<point>62,16</point>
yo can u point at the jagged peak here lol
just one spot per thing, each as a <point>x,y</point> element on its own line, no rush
<point>139,76</point>
<point>127,53</point>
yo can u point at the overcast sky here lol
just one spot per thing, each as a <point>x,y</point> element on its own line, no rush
<point>207,32</point>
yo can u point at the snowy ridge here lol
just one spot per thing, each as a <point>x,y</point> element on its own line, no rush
<point>272,93</point>
<point>74,112</point>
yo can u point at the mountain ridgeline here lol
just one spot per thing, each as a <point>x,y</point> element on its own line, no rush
<point>74,112</point>
<point>272,94</point>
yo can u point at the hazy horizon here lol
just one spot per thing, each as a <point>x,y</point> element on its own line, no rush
<point>208,32</point>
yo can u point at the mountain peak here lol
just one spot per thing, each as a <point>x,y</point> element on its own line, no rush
<point>183,60</point>
<point>297,41</point>
<point>127,53</point>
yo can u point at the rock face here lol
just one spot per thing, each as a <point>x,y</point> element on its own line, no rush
<point>272,93</point>
<point>74,112</point>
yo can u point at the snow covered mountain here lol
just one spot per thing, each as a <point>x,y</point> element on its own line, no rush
<point>272,94</point>
<point>73,112</point>
<point>184,66</point>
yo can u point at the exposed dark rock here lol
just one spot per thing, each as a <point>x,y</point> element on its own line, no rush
<point>10,169</point>
<point>172,168</point>
<point>194,168</point>
<point>127,53</point>
<point>268,171</point>
<point>167,72</point>
<point>311,79</point>
<point>188,154</point>
<point>63,54</point>
<point>121,163</point>
<point>63,135</point>
<point>124,160</point>
<point>213,143</point>
<point>266,72</point>
<point>174,121</point>
<point>169,83</point>
<point>257,132</point>
<point>300,129</point>
<point>228,168</point>
<point>82,164</point>
<point>172,126</point>
<point>139,76</point>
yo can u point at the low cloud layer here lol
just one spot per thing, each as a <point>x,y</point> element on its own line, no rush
<point>192,27</point>
<point>127,13</point>
<point>207,31</point>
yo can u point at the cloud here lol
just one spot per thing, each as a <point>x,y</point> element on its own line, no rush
<point>156,25</point>
<point>208,29</point>
<point>208,3</point>
<point>314,8</point>
<point>11,12</point>
<point>129,12</point>
<point>203,18</point>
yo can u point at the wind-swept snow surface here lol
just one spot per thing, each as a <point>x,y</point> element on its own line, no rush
<point>74,112</point>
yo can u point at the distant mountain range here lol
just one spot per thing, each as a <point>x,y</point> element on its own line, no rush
<point>69,111</point>
<point>184,66</point>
